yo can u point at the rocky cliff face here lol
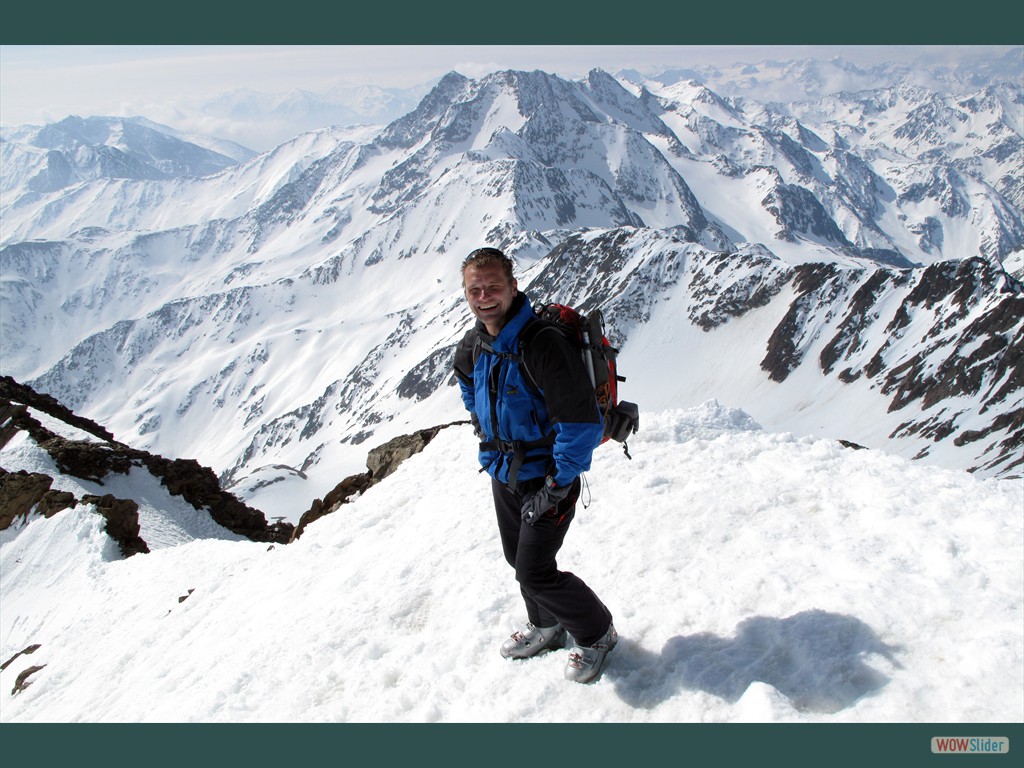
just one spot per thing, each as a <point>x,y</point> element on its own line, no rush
<point>953,344</point>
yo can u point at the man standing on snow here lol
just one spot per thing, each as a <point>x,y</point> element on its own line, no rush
<point>534,408</point>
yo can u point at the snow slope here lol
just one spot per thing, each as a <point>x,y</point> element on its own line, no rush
<point>754,577</point>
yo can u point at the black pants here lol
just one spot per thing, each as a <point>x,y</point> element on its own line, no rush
<point>551,596</point>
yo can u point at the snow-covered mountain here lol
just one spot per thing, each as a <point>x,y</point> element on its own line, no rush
<point>753,576</point>
<point>837,268</point>
<point>51,158</point>
<point>786,80</point>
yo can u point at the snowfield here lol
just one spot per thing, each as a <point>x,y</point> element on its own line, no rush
<point>753,576</point>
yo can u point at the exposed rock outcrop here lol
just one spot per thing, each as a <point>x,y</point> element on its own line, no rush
<point>21,492</point>
<point>380,462</point>
<point>949,338</point>
<point>26,396</point>
<point>122,516</point>
<point>94,460</point>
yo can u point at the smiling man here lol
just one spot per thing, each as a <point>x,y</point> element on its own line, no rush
<point>534,409</point>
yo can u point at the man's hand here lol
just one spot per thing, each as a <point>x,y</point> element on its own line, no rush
<point>543,499</point>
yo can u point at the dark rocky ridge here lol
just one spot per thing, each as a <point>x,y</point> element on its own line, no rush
<point>973,346</point>
<point>23,492</point>
<point>93,461</point>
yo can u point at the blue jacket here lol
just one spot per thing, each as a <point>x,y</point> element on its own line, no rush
<point>508,409</point>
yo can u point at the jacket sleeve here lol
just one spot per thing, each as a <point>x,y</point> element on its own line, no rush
<point>557,369</point>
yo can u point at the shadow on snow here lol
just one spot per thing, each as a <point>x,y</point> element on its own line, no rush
<point>814,658</point>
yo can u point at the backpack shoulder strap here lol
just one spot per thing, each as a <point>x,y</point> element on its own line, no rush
<point>466,353</point>
<point>533,326</point>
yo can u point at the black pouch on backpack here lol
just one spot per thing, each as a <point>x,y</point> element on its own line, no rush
<point>623,421</point>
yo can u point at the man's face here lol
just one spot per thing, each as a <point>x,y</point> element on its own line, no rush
<point>489,293</point>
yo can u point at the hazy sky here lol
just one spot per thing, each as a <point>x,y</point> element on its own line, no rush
<point>39,82</point>
<point>45,83</point>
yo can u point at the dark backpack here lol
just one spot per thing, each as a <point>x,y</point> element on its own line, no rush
<point>586,333</point>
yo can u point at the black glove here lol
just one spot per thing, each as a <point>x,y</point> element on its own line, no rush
<point>543,499</point>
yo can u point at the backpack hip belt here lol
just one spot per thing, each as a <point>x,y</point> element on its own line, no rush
<point>517,449</point>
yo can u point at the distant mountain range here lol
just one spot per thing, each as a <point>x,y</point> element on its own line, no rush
<point>75,150</point>
<point>845,265</point>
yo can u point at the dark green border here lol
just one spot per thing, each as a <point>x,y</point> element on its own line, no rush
<point>555,22</point>
<point>498,746</point>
